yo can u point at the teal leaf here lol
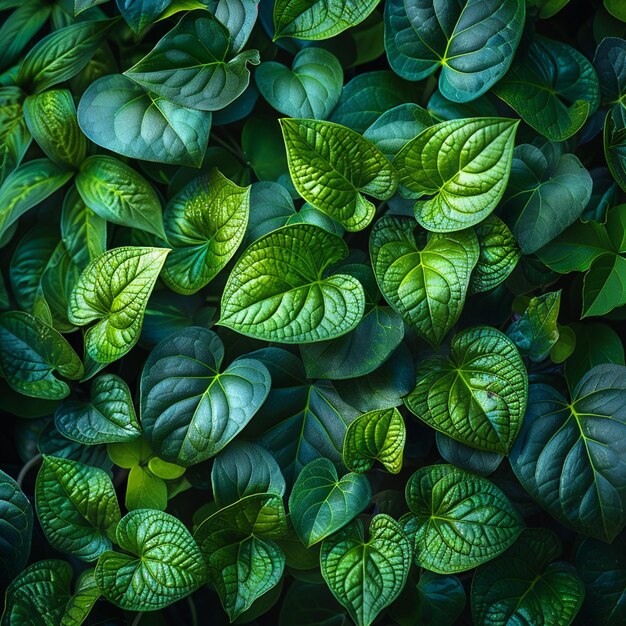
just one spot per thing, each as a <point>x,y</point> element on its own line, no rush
<point>610,64</point>
<point>139,14</point>
<point>615,144</point>
<point>14,134</point>
<point>238,16</point>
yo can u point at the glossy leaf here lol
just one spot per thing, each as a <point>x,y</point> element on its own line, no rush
<point>14,134</point>
<point>82,600</point>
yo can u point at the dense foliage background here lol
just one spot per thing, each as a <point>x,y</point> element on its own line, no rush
<point>312,312</point>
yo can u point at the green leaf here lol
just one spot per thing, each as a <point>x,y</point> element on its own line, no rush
<point>609,64</point>
<point>188,423</point>
<point>278,290</point>
<point>31,352</point>
<point>321,503</point>
<point>14,135</point>
<point>425,277</point>
<point>82,601</point>
<point>19,28</point>
<point>462,520</point>
<point>311,604</point>
<point>119,115</point>
<point>205,223</point>
<point>51,120</point>
<point>77,507</point>
<point>603,287</point>
<point>26,187</point>
<point>523,585</point>
<point>128,454</point>
<point>191,75</point>
<point>108,417</point>
<point>311,88</point>
<point>552,87</point>
<point>16,528</point>
<point>579,445</point>
<point>144,490</point>
<point>375,436</point>
<point>499,255</point>
<point>472,40</point>
<point>318,19</point>
<point>118,194</point>
<point>616,9</point>
<point>545,195</point>
<point>164,564</point>
<point>114,289</point>
<point>545,8</point>
<point>37,597</point>
<point>366,576</point>
<point>165,469</point>
<point>62,54</point>
<point>238,16</point>
<point>139,14</point>
<point>536,331</point>
<point>243,469</point>
<point>236,542</point>
<point>615,144</point>
<point>463,164</point>
<point>332,167</point>
<point>467,458</point>
<point>476,395</point>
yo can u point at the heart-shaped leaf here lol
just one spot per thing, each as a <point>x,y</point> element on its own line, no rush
<point>332,167</point>
<point>204,223</point>
<point>461,519</point>
<point>477,394</point>
<point>322,503</point>
<point>581,447</point>
<point>114,289</point>
<point>424,277</point>
<point>108,417</point>
<point>164,564</point>
<point>366,576</point>
<point>311,88</point>
<point>189,423</point>
<point>278,290</point>
<point>375,436</point>
<point>463,164</point>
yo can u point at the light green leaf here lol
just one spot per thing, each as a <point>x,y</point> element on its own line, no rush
<point>236,542</point>
<point>189,66</point>
<point>30,353</point>
<point>118,194</point>
<point>82,601</point>
<point>463,164</point>
<point>14,135</point>
<point>321,503</point>
<point>604,286</point>
<point>165,469</point>
<point>423,276</point>
<point>108,417</point>
<point>120,115</point>
<point>51,120</point>
<point>310,89</point>
<point>77,507</point>
<point>367,576</point>
<point>332,167</point>
<point>130,453</point>
<point>189,423</point>
<point>144,490</point>
<point>114,289</point>
<point>552,86</point>
<point>477,394</point>
<point>205,223</point>
<point>375,436</point>
<point>318,19</point>
<point>461,519</point>
<point>164,564</point>
<point>278,290</point>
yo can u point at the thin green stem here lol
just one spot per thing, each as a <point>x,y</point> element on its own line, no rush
<point>27,467</point>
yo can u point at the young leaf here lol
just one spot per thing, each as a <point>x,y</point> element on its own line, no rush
<point>190,67</point>
<point>278,290</point>
<point>30,353</point>
<point>477,394</point>
<point>367,576</point>
<point>581,447</point>
<point>51,119</point>
<point>205,223</point>
<point>192,422</point>
<point>375,436</point>
<point>425,277</point>
<point>461,520</point>
<point>321,503</point>
<point>120,115</point>
<point>318,19</point>
<point>472,40</point>
<point>115,192</point>
<point>114,289</point>
<point>108,417</point>
<point>332,167</point>
<point>77,507</point>
<point>144,490</point>
<point>463,164</point>
<point>311,89</point>
<point>162,566</point>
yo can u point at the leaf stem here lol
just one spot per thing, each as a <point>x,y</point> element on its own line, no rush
<point>231,147</point>
<point>192,611</point>
<point>27,467</point>
<point>137,618</point>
